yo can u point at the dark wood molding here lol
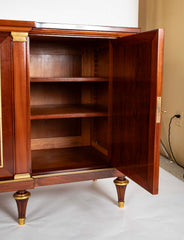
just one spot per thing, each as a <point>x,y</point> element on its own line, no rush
<point>17,23</point>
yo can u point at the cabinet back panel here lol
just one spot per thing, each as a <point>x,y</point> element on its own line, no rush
<point>100,94</point>
<point>100,132</point>
<point>55,65</point>
<point>69,58</point>
<point>54,59</point>
<point>55,93</point>
<point>55,128</point>
<point>101,62</point>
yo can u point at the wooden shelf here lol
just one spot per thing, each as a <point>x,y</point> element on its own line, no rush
<point>77,158</point>
<point>70,79</point>
<point>67,111</point>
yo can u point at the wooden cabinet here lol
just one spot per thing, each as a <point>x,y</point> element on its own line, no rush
<point>78,103</point>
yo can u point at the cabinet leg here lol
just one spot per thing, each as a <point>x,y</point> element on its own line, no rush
<point>94,180</point>
<point>121,184</point>
<point>21,198</point>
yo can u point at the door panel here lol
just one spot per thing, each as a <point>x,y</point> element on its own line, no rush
<point>137,81</point>
<point>6,107</point>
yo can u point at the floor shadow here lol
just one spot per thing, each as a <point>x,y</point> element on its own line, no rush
<point>7,208</point>
<point>99,190</point>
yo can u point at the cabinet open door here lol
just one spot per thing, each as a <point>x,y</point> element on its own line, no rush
<point>136,100</point>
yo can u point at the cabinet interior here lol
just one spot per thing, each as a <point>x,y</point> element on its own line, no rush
<point>69,88</point>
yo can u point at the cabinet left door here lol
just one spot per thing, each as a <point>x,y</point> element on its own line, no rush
<point>6,108</point>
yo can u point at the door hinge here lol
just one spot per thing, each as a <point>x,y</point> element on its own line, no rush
<point>158,116</point>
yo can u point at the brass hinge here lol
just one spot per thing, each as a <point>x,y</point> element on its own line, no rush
<point>158,116</point>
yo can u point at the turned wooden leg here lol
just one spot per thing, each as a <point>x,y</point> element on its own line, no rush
<point>121,184</point>
<point>21,198</point>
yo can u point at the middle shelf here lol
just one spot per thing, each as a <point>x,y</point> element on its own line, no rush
<point>67,111</point>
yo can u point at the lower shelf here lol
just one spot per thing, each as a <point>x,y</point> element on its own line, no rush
<point>54,160</point>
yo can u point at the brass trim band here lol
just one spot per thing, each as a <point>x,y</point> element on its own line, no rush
<point>121,183</point>
<point>24,196</point>
<point>14,181</point>
<point>71,173</point>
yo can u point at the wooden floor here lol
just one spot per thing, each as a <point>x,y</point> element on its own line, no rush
<point>44,161</point>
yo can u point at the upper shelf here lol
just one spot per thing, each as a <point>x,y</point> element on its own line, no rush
<point>67,111</point>
<point>70,79</point>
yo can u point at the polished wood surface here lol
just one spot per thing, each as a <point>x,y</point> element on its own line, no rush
<point>136,65</point>
<point>22,106</point>
<point>66,111</point>
<point>7,158</point>
<point>44,161</point>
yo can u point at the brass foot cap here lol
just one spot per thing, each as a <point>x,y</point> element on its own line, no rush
<point>21,221</point>
<point>94,180</point>
<point>121,204</point>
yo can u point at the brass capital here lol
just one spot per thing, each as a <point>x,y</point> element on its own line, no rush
<point>19,36</point>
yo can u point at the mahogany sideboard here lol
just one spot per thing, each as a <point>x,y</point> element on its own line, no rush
<point>78,103</point>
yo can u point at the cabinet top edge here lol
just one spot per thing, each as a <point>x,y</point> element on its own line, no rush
<point>65,26</point>
<point>83,27</point>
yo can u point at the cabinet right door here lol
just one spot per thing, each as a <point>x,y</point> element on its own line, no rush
<point>136,106</point>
